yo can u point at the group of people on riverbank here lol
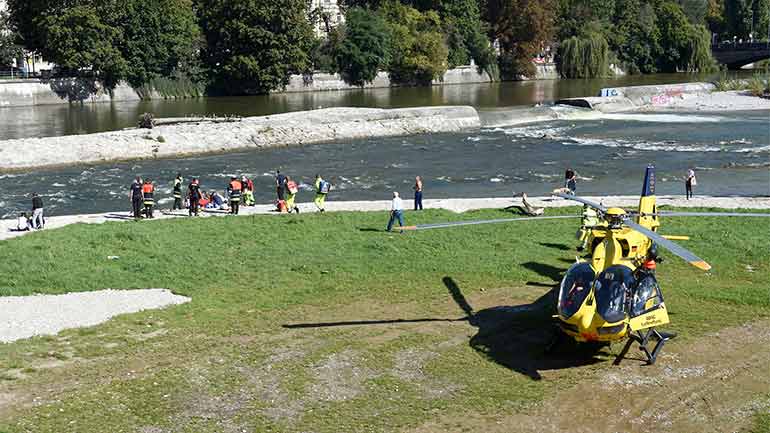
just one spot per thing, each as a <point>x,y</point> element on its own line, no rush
<point>238,192</point>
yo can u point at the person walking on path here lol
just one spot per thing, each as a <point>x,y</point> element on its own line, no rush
<point>148,198</point>
<point>37,212</point>
<point>234,191</point>
<point>418,193</point>
<point>280,185</point>
<point>194,196</point>
<point>291,195</point>
<point>570,180</point>
<point>135,195</point>
<point>689,182</point>
<point>322,189</point>
<point>396,212</point>
<point>177,192</point>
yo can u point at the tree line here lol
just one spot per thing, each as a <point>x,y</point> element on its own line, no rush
<point>253,46</point>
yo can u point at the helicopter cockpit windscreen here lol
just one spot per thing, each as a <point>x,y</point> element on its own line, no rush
<point>611,288</point>
<point>574,289</point>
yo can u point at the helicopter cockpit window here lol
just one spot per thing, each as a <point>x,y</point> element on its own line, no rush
<point>574,288</point>
<point>646,295</point>
<point>611,288</point>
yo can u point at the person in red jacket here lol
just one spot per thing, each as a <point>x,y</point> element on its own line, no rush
<point>234,191</point>
<point>148,198</point>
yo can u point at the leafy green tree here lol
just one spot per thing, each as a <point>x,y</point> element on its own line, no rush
<point>522,28</point>
<point>761,19</point>
<point>78,40</point>
<point>584,57</point>
<point>418,50</point>
<point>9,50</point>
<point>674,37</point>
<point>635,37</point>
<point>466,33</point>
<point>147,38</point>
<point>160,38</point>
<point>696,10</point>
<point>715,17</point>
<point>365,46</point>
<point>252,46</point>
<point>738,17</point>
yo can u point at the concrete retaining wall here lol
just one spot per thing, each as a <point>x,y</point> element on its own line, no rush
<point>22,93</point>
<point>615,99</point>
<point>198,137</point>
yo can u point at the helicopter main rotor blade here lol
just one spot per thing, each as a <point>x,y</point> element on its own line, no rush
<point>680,251</point>
<point>594,205</point>
<point>714,214</point>
<point>479,222</point>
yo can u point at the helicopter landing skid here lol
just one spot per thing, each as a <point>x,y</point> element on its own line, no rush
<point>643,338</point>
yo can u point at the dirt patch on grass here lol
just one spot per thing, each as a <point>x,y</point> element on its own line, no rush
<point>340,377</point>
<point>709,385</point>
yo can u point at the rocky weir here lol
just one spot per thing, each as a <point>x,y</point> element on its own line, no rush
<point>189,136</point>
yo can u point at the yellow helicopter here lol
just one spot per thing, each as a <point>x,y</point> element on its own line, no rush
<point>613,293</point>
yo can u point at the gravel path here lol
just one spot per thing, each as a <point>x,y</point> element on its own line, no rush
<point>27,316</point>
<point>451,204</point>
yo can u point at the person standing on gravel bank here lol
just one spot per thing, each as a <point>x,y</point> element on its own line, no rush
<point>135,195</point>
<point>689,182</point>
<point>418,193</point>
<point>37,212</point>
<point>322,188</point>
<point>194,196</point>
<point>177,192</point>
<point>148,198</point>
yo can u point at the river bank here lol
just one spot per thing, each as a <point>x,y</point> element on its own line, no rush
<point>453,205</point>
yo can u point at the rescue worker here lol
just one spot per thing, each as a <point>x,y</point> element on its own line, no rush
<point>135,195</point>
<point>280,184</point>
<point>320,196</point>
<point>234,192</point>
<point>248,191</point>
<point>148,198</point>
<point>590,219</point>
<point>177,192</point>
<point>194,196</point>
<point>291,195</point>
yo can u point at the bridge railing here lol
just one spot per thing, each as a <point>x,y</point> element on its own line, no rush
<point>741,46</point>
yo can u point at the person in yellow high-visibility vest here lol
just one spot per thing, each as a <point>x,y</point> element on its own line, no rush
<point>322,188</point>
<point>291,195</point>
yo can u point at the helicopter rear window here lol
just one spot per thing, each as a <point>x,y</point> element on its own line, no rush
<point>611,288</point>
<point>574,288</point>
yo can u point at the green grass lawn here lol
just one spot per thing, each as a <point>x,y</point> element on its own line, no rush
<point>225,362</point>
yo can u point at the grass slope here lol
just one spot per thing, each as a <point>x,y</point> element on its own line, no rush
<point>225,362</point>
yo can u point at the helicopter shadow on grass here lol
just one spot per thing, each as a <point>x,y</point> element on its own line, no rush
<point>522,337</point>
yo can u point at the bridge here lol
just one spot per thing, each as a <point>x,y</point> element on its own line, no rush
<point>736,55</point>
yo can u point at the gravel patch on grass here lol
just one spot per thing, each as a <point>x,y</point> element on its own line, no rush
<point>28,316</point>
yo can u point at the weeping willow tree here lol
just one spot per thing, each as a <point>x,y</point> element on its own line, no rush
<point>584,57</point>
<point>700,59</point>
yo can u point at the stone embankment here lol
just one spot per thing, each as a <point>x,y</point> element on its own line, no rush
<point>198,136</point>
<point>685,97</point>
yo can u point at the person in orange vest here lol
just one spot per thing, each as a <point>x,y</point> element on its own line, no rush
<point>148,198</point>
<point>291,189</point>
<point>234,191</point>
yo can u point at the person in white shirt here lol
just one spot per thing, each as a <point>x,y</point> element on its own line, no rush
<point>22,224</point>
<point>396,211</point>
<point>689,182</point>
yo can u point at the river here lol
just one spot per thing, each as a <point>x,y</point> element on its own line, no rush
<point>66,119</point>
<point>729,151</point>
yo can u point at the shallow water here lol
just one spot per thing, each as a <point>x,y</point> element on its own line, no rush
<point>730,152</point>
